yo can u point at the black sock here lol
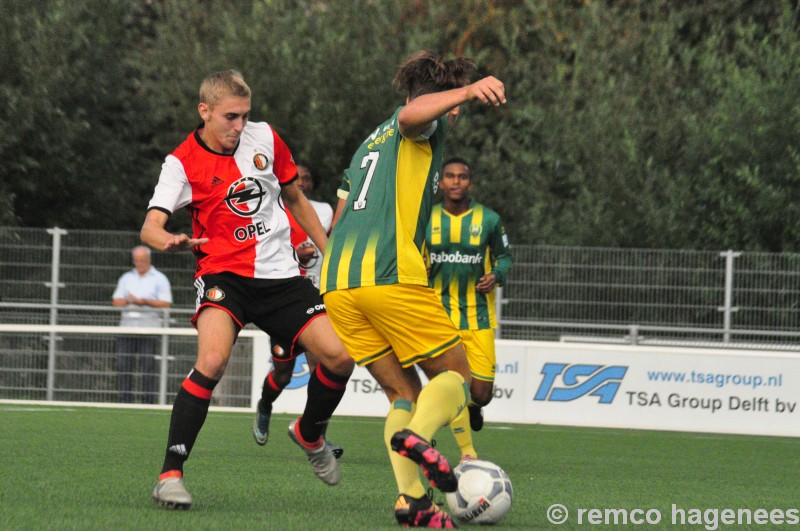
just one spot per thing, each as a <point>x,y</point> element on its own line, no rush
<point>270,391</point>
<point>325,391</point>
<point>189,412</point>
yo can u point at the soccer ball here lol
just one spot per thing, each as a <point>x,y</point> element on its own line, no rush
<point>483,495</point>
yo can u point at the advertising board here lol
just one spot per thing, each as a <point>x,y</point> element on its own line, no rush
<point>614,386</point>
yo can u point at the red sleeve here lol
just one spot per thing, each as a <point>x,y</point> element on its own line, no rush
<point>296,233</point>
<point>283,166</point>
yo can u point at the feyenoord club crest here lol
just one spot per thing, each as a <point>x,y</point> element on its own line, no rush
<point>261,161</point>
<point>215,294</point>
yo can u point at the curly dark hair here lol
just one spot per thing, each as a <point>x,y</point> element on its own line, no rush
<point>426,71</point>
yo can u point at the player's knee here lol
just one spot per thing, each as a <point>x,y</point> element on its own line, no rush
<point>336,358</point>
<point>342,364</point>
<point>282,377</point>
<point>397,385</point>
<point>482,399</point>
<point>405,395</point>
<point>456,360</point>
<point>212,363</point>
<point>481,392</point>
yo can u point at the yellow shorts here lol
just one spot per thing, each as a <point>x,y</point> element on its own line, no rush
<point>479,345</point>
<point>408,319</point>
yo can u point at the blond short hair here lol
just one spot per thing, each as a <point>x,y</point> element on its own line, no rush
<point>222,84</point>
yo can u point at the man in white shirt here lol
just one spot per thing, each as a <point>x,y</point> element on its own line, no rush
<point>145,291</point>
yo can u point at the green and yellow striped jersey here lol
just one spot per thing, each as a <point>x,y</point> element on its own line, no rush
<point>388,191</point>
<point>461,249</point>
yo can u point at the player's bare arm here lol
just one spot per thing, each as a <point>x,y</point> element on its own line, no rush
<point>416,117</point>
<point>156,236</point>
<point>304,214</point>
<point>131,299</point>
<point>155,303</point>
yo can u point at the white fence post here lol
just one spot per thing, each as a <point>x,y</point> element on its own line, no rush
<point>54,286</point>
<point>164,365</point>
<point>728,308</point>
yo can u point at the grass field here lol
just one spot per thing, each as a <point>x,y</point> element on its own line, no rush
<point>94,468</point>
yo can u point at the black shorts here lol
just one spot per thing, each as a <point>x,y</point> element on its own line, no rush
<point>284,349</point>
<point>280,307</point>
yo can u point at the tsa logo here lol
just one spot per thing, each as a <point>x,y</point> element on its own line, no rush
<point>579,380</point>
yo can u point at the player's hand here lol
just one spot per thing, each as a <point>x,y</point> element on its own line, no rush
<point>305,252</point>
<point>487,283</point>
<point>489,90</point>
<point>182,242</point>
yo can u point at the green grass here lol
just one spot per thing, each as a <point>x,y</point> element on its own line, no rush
<point>94,468</point>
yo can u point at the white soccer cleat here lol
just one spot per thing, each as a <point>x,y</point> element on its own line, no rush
<point>261,424</point>
<point>172,494</point>
<point>321,457</point>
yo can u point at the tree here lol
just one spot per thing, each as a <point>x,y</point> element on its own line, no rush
<point>649,123</point>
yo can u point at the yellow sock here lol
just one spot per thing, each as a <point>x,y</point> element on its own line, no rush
<point>406,471</point>
<point>463,433</point>
<point>440,401</point>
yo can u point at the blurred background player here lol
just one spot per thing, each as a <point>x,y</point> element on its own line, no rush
<point>236,176</point>
<point>375,283</point>
<point>468,255</point>
<point>308,254</point>
<point>283,359</point>
<point>143,291</point>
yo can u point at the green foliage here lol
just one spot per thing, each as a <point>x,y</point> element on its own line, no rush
<point>69,113</point>
<point>637,124</point>
<point>744,148</point>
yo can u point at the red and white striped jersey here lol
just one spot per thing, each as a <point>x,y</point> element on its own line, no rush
<point>234,201</point>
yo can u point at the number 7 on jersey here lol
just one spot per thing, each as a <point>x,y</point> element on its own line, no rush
<point>370,160</point>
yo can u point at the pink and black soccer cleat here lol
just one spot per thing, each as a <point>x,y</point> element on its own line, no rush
<point>434,465</point>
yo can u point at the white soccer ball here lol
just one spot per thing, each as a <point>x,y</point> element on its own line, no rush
<point>483,495</point>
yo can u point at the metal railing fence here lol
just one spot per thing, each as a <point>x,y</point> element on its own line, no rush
<point>79,266</point>
<point>706,297</point>
<point>58,277</point>
<point>76,360</point>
